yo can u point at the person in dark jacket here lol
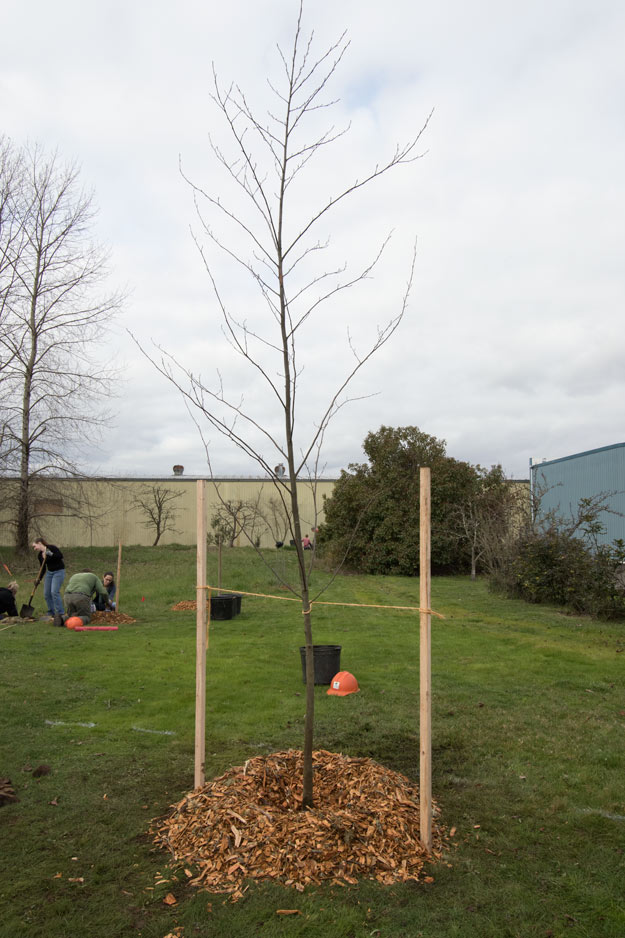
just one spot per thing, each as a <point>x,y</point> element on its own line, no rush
<point>7,600</point>
<point>54,568</point>
<point>109,583</point>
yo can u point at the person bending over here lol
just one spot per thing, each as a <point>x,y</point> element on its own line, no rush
<point>78,595</point>
<point>7,600</point>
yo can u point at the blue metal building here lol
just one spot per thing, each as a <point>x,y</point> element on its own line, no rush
<point>565,481</point>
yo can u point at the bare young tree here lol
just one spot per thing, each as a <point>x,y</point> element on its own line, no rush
<point>491,517</point>
<point>157,504</point>
<point>278,520</point>
<point>52,317</point>
<point>236,517</point>
<point>276,234</point>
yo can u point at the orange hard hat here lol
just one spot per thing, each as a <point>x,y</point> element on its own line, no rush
<point>74,622</point>
<point>343,684</point>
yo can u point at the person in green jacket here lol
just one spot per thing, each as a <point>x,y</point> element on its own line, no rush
<point>78,595</point>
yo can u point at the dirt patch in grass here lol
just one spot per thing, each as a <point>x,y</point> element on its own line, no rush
<point>111,618</point>
<point>185,604</point>
<point>248,824</point>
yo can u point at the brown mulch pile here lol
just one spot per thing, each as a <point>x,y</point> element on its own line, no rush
<point>185,604</point>
<point>248,824</point>
<point>7,792</point>
<point>110,618</point>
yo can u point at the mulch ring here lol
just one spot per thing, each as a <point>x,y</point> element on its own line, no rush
<point>248,824</point>
<point>185,604</point>
<point>110,618</point>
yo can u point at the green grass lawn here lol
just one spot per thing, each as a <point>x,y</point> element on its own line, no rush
<point>528,755</point>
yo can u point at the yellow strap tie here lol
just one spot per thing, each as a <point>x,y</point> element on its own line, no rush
<point>319,602</point>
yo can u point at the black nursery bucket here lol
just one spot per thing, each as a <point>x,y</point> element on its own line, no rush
<point>327,662</point>
<point>223,606</point>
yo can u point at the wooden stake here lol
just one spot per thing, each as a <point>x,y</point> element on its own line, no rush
<point>200,641</point>
<point>119,575</point>
<point>219,563</point>
<point>425,663</point>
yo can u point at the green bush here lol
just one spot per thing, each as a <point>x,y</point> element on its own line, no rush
<point>559,568</point>
<point>372,517</point>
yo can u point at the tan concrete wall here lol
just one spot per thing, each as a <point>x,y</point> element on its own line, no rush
<point>101,512</point>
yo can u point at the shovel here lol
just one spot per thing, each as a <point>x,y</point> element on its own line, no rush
<point>27,611</point>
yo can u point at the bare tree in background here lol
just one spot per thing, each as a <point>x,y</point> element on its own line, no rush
<point>276,236</point>
<point>11,166</point>
<point>236,517</point>
<point>157,504</point>
<point>491,518</point>
<point>53,315</point>
<point>278,520</point>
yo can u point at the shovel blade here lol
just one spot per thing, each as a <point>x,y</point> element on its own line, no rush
<point>27,612</point>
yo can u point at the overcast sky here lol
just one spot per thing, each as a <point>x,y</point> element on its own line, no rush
<point>512,345</point>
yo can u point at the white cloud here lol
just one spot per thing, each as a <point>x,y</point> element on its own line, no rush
<point>512,343</point>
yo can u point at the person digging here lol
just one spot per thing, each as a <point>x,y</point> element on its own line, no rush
<point>78,593</point>
<point>51,560</point>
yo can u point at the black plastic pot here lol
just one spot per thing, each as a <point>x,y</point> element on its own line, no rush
<point>237,602</point>
<point>327,662</point>
<point>223,606</point>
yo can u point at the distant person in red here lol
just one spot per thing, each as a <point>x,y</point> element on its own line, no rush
<point>307,543</point>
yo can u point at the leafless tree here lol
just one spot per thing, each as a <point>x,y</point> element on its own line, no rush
<point>274,233</point>
<point>236,517</point>
<point>491,517</point>
<point>52,317</point>
<point>157,504</point>
<point>278,520</point>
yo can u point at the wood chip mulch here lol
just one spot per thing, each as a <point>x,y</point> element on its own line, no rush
<point>185,604</point>
<point>110,618</point>
<point>247,824</point>
<point>7,792</point>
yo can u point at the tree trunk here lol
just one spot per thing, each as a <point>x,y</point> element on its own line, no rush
<point>289,393</point>
<point>309,720</point>
<point>309,723</point>
<point>22,540</point>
